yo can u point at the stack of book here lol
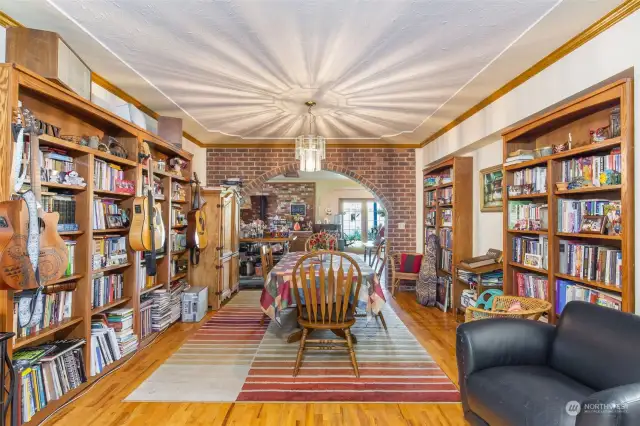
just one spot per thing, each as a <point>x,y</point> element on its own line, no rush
<point>146,303</point>
<point>65,206</point>
<point>161,310</point>
<point>71,256</point>
<point>105,349</point>
<point>519,156</point>
<point>571,212</point>
<point>591,262</point>
<point>106,213</point>
<point>532,285</point>
<point>109,250</point>
<point>536,177</point>
<point>531,251</point>
<point>525,215</point>
<point>122,322</point>
<point>446,238</point>
<point>105,175</point>
<point>50,309</point>
<point>566,291</point>
<point>44,373</point>
<point>487,279</point>
<point>431,180</point>
<point>106,289</point>
<point>591,168</point>
<point>177,287</point>
<point>53,161</point>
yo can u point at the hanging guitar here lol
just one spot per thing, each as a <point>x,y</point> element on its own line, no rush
<point>146,232</point>
<point>197,235</point>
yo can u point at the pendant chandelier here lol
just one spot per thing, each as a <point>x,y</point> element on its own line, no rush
<point>310,149</point>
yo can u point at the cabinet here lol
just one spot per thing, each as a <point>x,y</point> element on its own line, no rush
<point>218,269</point>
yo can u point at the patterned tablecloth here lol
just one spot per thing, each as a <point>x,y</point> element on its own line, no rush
<point>277,293</point>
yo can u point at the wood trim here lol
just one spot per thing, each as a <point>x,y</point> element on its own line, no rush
<point>603,24</point>
<point>7,21</point>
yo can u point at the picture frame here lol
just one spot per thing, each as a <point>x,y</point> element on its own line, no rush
<point>593,224</point>
<point>533,260</point>
<point>114,221</point>
<point>491,196</point>
<point>298,209</point>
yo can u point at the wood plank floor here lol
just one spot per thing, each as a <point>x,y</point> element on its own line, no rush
<point>102,405</point>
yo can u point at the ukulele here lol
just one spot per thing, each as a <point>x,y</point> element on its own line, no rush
<point>147,228</point>
<point>197,235</point>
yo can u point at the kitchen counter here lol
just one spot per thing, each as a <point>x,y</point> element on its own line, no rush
<point>266,240</point>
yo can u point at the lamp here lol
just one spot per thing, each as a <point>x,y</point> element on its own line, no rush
<point>310,149</point>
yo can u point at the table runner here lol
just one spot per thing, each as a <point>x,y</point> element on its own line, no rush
<point>277,293</point>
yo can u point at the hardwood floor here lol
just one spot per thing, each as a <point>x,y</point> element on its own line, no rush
<point>102,404</point>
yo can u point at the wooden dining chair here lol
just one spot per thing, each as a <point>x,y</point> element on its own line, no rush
<point>380,251</point>
<point>331,241</point>
<point>266,258</point>
<point>327,303</point>
<point>404,266</point>
<point>378,269</point>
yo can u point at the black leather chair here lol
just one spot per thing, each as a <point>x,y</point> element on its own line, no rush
<point>526,373</point>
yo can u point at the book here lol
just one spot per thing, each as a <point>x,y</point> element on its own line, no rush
<point>567,291</point>
<point>492,256</point>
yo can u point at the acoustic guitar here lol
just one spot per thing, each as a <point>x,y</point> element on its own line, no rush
<point>147,228</point>
<point>197,234</point>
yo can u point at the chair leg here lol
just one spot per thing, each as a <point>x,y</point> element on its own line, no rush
<point>384,323</point>
<point>352,353</point>
<point>394,284</point>
<point>305,332</point>
<point>262,320</point>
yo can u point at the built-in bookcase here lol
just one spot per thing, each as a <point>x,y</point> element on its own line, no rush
<point>547,219</point>
<point>448,213</point>
<point>78,117</point>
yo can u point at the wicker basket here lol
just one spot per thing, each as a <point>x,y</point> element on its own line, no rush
<point>531,309</point>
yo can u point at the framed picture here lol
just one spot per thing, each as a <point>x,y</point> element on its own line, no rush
<point>114,221</point>
<point>298,209</point>
<point>534,260</point>
<point>593,224</point>
<point>491,189</point>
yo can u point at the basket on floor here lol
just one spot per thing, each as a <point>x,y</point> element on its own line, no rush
<point>531,309</point>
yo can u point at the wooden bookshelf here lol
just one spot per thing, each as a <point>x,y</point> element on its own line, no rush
<point>77,116</point>
<point>461,208</point>
<point>577,117</point>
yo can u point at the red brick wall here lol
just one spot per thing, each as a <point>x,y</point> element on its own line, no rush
<point>388,173</point>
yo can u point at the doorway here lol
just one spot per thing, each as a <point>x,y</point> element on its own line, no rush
<point>361,219</point>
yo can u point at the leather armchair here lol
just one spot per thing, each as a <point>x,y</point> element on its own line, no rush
<point>519,372</point>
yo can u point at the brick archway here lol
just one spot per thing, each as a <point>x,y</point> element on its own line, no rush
<point>256,184</point>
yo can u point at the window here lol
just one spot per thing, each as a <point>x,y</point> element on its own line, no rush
<point>361,219</point>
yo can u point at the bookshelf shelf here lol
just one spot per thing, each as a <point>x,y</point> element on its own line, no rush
<point>46,140</point>
<point>111,268</point>
<point>590,236</point>
<point>589,190</point>
<point>178,253</point>
<point>529,268</point>
<point>150,289</point>
<point>110,305</point>
<point>516,231</point>
<point>179,227</point>
<point>72,188</point>
<point>110,231</point>
<point>594,110</point>
<point>178,276</point>
<point>105,193</point>
<point>595,284</point>
<point>528,196</point>
<point>73,277</point>
<point>70,233</point>
<point>179,201</point>
<point>457,211</point>
<point>48,331</point>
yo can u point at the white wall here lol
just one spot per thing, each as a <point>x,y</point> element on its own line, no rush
<point>199,161</point>
<point>329,193</point>
<point>606,57</point>
<point>3,43</point>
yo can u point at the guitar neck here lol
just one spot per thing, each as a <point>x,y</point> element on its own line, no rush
<point>34,154</point>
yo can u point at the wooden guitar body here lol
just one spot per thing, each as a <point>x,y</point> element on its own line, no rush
<point>158,227</point>
<point>16,271</point>
<point>53,258</point>
<point>139,231</point>
<point>197,235</point>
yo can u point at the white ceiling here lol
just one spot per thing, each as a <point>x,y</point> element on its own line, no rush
<point>393,71</point>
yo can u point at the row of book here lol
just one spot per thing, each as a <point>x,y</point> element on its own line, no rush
<point>571,214</point>
<point>146,303</point>
<point>446,260</point>
<point>531,251</point>
<point>106,289</point>
<point>536,177</point>
<point>71,256</point>
<point>121,320</point>
<point>488,279</point>
<point>105,175</point>
<point>178,218</point>
<point>178,241</point>
<point>445,195</point>
<point>109,250</point>
<point>45,373</point>
<point>65,206</point>
<point>532,285</point>
<point>591,168</point>
<point>50,309</point>
<point>430,198</point>
<point>104,345</point>
<point>446,238</point>
<point>106,213</point>
<point>567,291</point>
<point>445,176</point>
<point>525,215</point>
<point>591,262</point>
<point>56,159</point>
<point>430,218</point>
<point>446,218</point>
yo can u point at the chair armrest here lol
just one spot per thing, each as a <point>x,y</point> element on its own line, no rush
<point>501,342</point>
<point>619,406</point>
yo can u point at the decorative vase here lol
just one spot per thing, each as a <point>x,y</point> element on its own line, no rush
<point>296,226</point>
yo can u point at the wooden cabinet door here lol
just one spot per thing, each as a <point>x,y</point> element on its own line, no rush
<point>235,273</point>
<point>225,278</point>
<point>227,225</point>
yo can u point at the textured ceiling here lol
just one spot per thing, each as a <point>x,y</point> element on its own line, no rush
<point>243,69</point>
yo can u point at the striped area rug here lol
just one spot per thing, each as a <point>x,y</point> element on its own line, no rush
<point>256,364</point>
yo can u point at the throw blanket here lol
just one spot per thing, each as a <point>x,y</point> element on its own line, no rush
<point>428,278</point>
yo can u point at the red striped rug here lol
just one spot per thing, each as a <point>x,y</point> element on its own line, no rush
<point>233,358</point>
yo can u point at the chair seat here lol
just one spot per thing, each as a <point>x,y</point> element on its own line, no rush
<point>524,395</point>
<point>405,275</point>
<point>349,318</point>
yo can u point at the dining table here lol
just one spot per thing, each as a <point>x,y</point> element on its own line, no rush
<point>277,293</point>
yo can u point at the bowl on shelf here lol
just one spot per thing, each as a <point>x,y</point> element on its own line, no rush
<point>562,186</point>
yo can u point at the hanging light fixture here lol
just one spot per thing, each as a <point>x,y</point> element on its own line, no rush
<point>310,149</point>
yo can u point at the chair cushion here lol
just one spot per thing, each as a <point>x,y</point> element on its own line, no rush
<point>410,263</point>
<point>524,395</point>
<point>349,315</point>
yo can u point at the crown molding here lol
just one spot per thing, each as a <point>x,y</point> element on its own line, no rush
<point>7,21</point>
<point>600,26</point>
